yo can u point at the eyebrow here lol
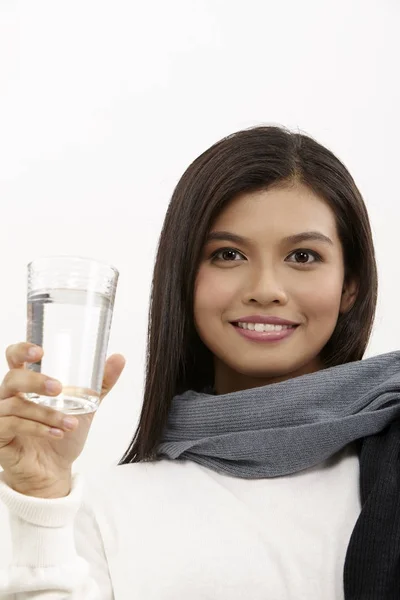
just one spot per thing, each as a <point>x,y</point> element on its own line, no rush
<point>304,236</point>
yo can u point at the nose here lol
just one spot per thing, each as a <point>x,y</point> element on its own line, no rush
<point>264,287</point>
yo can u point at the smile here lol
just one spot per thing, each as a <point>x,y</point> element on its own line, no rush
<point>268,333</point>
<point>263,326</point>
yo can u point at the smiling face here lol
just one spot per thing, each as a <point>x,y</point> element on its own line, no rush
<point>266,274</point>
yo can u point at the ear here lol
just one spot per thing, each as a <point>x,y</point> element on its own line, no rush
<point>349,296</point>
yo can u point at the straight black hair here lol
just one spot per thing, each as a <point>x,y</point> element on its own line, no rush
<point>250,160</point>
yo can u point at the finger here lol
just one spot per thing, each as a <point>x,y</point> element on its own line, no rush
<point>20,408</point>
<point>25,381</point>
<point>18,354</point>
<point>113,368</point>
<point>13,426</point>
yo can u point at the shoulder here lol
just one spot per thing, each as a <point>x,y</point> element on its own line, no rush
<point>129,496</point>
<point>141,482</point>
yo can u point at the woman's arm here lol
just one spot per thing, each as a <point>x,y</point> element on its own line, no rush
<point>57,550</point>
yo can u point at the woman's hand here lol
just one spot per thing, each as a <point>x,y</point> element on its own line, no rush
<point>38,444</point>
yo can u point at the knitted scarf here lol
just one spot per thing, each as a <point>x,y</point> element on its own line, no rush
<point>285,427</point>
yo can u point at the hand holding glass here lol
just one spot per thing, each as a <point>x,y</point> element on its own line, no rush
<point>70,307</point>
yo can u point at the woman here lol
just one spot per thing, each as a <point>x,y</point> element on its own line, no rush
<point>266,225</point>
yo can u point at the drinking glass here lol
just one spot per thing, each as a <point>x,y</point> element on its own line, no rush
<point>70,307</point>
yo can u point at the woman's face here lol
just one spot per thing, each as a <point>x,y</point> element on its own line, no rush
<point>265,274</point>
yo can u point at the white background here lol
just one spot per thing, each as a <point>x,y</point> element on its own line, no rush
<point>103,105</point>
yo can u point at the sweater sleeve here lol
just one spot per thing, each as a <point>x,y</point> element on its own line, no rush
<point>57,550</point>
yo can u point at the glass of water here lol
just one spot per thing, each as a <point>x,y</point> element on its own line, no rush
<point>70,306</point>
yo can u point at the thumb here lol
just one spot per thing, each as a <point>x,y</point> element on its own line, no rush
<point>113,368</point>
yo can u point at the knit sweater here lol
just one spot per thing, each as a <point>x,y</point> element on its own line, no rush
<point>176,530</point>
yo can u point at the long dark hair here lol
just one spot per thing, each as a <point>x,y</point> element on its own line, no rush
<point>249,160</point>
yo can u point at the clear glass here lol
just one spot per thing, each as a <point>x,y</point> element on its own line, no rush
<point>70,307</point>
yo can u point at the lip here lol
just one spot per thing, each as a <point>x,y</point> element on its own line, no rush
<point>264,336</point>
<point>264,319</point>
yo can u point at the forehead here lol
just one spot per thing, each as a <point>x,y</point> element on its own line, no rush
<point>291,208</point>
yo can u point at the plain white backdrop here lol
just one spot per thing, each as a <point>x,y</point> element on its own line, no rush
<point>104,104</point>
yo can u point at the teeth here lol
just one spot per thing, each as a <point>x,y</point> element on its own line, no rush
<point>263,327</point>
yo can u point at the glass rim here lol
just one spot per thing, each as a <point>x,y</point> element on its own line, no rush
<point>83,259</point>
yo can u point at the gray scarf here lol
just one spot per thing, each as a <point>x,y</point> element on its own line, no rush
<point>284,427</point>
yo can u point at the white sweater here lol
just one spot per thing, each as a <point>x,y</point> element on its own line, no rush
<point>175,530</point>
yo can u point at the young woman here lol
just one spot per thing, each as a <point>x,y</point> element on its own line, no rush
<point>265,272</point>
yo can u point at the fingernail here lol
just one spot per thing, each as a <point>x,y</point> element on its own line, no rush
<point>33,352</point>
<point>69,423</point>
<point>55,431</point>
<point>52,385</point>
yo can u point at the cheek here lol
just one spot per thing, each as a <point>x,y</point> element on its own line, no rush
<point>212,293</point>
<point>322,300</point>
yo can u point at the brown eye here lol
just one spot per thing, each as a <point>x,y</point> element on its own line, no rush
<point>304,254</point>
<point>229,254</point>
<point>225,255</point>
